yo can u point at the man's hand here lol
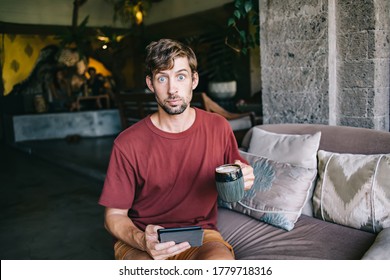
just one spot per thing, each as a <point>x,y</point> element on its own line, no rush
<point>161,251</point>
<point>247,172</point>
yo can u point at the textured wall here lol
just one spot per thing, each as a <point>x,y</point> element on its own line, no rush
<point>326,62</point>
<point>294,53</point>
<point>363,36</point>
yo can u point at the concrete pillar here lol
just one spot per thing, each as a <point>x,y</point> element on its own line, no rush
<point>363,58</point>
<point>326,62</point>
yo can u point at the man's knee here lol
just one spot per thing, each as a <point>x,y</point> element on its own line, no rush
<point>126,252</point>
<point>136,255</point>
<point>214,251</point>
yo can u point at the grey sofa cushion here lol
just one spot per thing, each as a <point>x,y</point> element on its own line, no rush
<point>311,238</point>
<point>339,139</point>
<point>380,250</point>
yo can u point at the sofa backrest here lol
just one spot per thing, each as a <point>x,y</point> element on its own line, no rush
<point>339,139</point>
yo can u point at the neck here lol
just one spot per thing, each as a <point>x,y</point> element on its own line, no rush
<point>174,123</point>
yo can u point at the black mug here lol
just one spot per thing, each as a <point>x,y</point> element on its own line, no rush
<point>230,182</point>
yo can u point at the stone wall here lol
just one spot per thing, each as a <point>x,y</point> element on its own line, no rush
<point>326,62</point>
<point>363,37</point>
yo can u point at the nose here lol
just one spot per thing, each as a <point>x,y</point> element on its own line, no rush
<point>172,89</point>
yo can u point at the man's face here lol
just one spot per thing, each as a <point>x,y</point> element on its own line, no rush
<point>173,87</point>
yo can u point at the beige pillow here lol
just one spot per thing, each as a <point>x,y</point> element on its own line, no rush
<point>353,190</point>
<point>299,150</point>
<point>278,194</point>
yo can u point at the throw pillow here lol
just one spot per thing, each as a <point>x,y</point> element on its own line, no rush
<point>299,150</point>
<point>353,190</point>
<point>278,194</point>
<point>295,149</point>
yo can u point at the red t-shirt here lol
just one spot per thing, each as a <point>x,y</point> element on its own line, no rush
<point>166,178</point>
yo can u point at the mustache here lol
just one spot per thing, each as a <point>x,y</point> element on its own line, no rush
<point>174,97</point>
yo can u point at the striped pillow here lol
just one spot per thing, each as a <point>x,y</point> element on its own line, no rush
<point>353,190</point>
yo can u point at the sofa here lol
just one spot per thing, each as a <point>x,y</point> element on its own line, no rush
<point>333,206</point>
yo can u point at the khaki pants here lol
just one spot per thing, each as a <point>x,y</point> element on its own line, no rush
<point>121,249</point>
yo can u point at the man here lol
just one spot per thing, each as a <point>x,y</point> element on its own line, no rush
<point>161,171</point>
<point>95,82</point>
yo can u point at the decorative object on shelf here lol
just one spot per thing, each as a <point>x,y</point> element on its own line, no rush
<point>222,90</point>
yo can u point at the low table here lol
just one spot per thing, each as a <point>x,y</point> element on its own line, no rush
<point>59,125</point>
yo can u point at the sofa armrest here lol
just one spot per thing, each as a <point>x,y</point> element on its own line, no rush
<point>380,249</point>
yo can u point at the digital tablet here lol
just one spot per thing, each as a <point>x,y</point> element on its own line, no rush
<point>193,235</point>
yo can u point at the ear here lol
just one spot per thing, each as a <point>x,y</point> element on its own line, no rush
<point>149,83</point>
<point>195,80</point>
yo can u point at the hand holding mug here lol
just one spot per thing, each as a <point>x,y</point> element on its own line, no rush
<point>247,173</point>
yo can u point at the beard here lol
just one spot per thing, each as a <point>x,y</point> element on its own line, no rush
<point>173,110</point>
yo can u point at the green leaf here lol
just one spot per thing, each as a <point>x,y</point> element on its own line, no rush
<point>237,14</point>
<point>231,22</point>
<point>243,36</point>
<point>248,5</point>
<point>237,3</point>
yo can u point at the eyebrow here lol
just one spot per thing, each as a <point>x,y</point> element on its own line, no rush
<point>182,70</point>
<point>178,71</point>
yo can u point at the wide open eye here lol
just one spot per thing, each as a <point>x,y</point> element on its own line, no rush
<point>161,79</point>
<point>181,77</point>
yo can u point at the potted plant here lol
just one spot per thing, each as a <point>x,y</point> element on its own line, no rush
<point>222,77</point>
<point>226,55</point>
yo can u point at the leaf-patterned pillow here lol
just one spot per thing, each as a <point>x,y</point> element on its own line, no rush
<point>353,190</point>
<point>278,194</point>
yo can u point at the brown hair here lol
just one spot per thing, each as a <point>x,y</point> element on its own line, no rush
<point>161,54</point>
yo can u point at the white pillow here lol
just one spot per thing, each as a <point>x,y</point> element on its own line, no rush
<point>299,150</point>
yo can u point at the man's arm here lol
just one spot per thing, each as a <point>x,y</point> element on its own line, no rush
<point>120,225</point>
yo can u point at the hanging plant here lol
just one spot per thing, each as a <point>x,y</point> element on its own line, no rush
<point>130,11</point>
<point>77,38</point>
<point>75,42</point>
<point>240,36</point>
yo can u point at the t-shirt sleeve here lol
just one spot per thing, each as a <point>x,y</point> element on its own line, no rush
<point>232,153</point>
<point>119,185</point>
